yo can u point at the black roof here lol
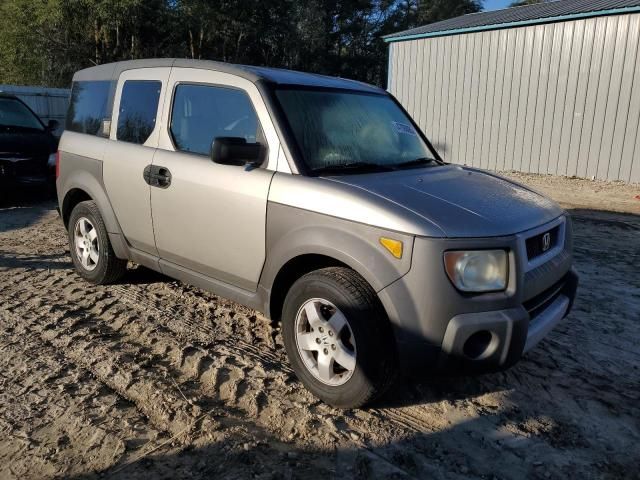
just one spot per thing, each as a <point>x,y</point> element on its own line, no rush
<point>282,76</point>
<point>536,13</point>
<point>110,71</point>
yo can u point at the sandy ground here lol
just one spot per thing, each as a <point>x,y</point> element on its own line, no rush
<point>151,378</point>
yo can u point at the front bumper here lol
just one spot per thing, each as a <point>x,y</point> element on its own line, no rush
<point>435,325</point>
<point>497,339</point>
<point>24,174</point>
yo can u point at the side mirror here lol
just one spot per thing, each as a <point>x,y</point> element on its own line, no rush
<point>52,125</point>
<point>235,151</point>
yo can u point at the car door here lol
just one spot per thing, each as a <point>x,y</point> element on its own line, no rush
<point>133,136</point>
<point>211,218</point>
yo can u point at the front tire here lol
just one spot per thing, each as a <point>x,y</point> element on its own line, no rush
<point>90,248</point>
<point>338,337</point>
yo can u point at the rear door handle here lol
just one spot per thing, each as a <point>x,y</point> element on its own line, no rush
<point>157,176</point>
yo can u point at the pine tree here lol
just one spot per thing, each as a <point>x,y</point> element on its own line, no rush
<point>430,11</point>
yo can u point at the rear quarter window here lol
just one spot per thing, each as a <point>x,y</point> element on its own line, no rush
<point>138,110</point>
<point>89,106</point>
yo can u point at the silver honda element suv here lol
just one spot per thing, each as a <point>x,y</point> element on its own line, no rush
<point>319,202</point>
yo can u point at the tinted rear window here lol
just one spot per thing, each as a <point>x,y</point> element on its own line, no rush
<point>89,107</point>
<point>138,110</point>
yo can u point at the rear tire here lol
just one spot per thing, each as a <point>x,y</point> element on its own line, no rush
<point>90,248</point>
<point>338,337</point>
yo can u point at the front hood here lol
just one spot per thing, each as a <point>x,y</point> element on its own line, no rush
<point>462,202</point>
<point>26,145</point>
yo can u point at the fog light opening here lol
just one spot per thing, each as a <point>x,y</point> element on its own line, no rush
<point>479,345</point>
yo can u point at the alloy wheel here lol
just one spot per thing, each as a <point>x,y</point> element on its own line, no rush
<point>85,238</point>
<point>325,342</point>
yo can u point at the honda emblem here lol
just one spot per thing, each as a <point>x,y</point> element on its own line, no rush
<point>546,241</point>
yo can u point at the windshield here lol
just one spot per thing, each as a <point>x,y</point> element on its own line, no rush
<point>351,132</point>
<point>13,113</point>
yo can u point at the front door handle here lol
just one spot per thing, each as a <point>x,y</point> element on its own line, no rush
<point>146,174</point>
<point>163,177</point>
<point>157,176</point>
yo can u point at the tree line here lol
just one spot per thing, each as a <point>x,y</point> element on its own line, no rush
<point>43,42</point>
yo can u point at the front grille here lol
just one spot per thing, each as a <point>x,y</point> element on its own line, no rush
<point>23,168</point>
<point>536,244</point>
<point>541,301</point>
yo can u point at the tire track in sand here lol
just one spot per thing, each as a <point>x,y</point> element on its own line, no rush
<point>118,350</point>
<point>407,418</point>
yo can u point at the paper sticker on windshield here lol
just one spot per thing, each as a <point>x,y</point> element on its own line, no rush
<point>404,129</point>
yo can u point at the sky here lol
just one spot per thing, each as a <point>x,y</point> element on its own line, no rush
<point>496,4</point>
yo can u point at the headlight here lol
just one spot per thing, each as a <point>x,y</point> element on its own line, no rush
<point>478,271</point>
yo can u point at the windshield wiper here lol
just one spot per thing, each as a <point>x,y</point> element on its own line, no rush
<point>357,166</point>
<point>417,162</point>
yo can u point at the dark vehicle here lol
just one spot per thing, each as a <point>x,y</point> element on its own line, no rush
<point>27,147</point>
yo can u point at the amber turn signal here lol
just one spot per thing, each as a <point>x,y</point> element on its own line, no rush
<point>394,246</point>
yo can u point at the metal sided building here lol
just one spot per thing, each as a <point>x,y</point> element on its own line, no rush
<point>550,88</point>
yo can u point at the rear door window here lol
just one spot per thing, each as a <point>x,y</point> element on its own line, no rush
<point>89,106</point>
<point>138,110</point>
<point>203,112</point>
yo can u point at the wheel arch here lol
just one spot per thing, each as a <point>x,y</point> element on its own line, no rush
<point>276,281</point>
<point>72,198</point>
<point>82,186</point>
<point>291,271</point>
<point>299,241</point>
